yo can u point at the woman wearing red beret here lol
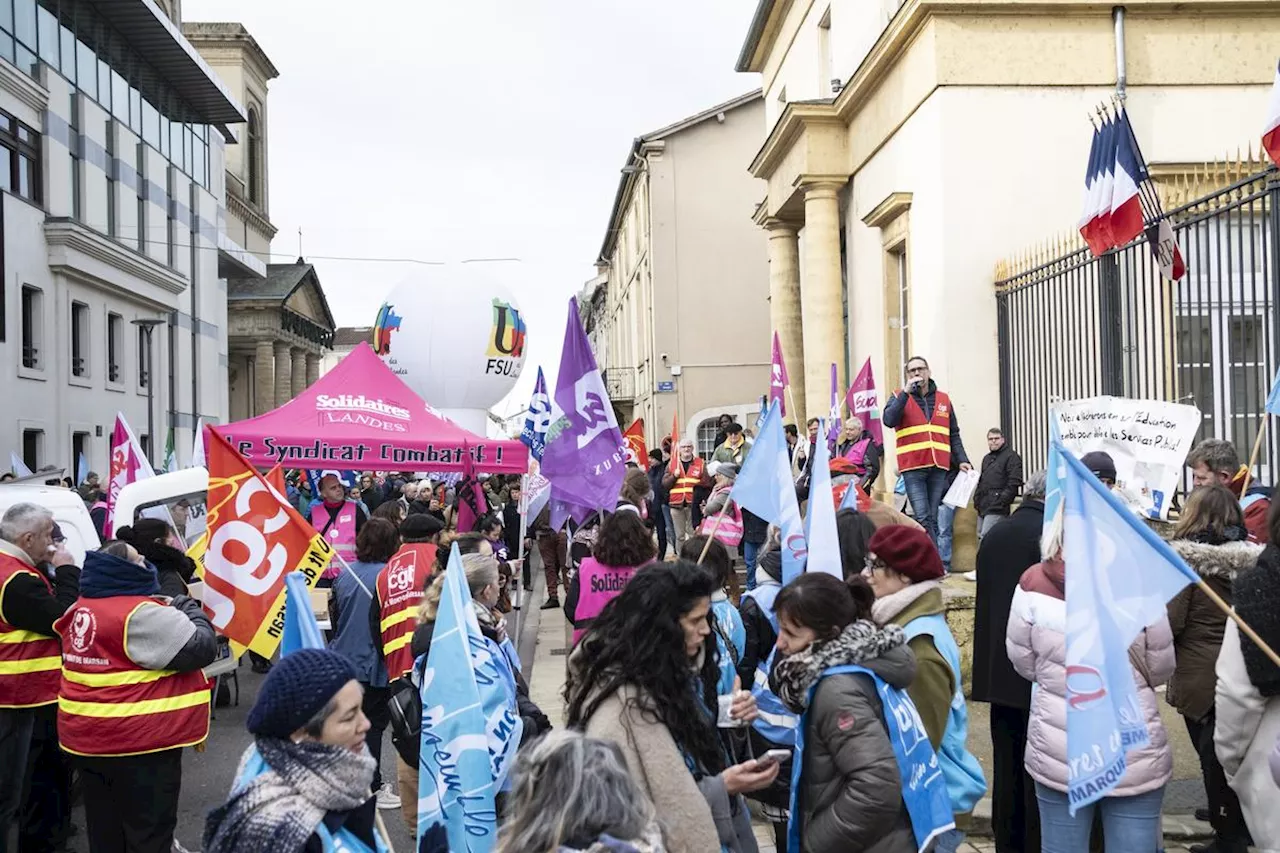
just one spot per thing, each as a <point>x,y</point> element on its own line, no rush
<point>905,572</point>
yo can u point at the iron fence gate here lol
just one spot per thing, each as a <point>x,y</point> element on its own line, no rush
<point>1079,326</point>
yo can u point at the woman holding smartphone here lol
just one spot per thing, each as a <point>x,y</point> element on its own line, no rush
<point>847,796</point>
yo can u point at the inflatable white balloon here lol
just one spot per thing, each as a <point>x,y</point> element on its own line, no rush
<point>456,338</point>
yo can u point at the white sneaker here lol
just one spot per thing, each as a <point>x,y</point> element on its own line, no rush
<point>971,576</point>
<point>387,798</point>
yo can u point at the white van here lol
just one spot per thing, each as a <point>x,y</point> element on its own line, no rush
<point>178,496</point>
<point>68,509</point>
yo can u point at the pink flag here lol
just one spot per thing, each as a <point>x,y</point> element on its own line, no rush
<point>863,400</point>
<point>778,381</point>
<point>128,465</point>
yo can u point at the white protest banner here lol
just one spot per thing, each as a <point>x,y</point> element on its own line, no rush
<point>1147,439</point>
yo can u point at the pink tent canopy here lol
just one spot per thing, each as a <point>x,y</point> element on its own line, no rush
<point>361,416</point>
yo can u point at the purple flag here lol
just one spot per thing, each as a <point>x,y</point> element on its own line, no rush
<point>863,399</point>
<point>585,457</point>
<point>834,421</point>
<point>778,380</point>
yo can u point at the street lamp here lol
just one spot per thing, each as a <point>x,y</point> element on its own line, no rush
<point>148,325</point>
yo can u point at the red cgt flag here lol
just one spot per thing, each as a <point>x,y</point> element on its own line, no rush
<point>254,538</point>
<point>673,466</point>
<point>637,450</point>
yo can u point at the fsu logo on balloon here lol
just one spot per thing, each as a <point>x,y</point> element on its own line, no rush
<point>507,344</point>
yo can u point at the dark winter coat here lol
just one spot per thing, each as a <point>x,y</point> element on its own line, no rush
<point>760,639</point>
<point>1198,624</point>
<point>174,568</point>
<point>851,788</point>
<point>1008,550</point>
<point>999,482</point>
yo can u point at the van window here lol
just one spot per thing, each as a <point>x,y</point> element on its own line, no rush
<point>185,512</point>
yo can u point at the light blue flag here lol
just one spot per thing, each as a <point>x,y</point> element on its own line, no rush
<point>82,469</point>
<point>1054,472</point>
<point>1119,575</point>
<point>17,466</point>
<point>1273,399</point>
<point>301,630</point>
<point>820,524</point>
<point>764,487</point>
<point>850,499</point>
<point>470,727</point>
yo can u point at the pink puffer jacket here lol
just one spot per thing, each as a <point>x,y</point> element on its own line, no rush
<point>1037,647</point>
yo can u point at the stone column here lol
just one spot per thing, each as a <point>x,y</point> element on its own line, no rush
<point>264,383</point>
<point>284,374</point>
<point>313,369</point>
<point>784,310</point>
<point>299,371</point>
<point>821,297</point>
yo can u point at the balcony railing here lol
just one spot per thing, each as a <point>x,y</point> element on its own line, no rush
<point>30,357</point>
<point>620,383</point>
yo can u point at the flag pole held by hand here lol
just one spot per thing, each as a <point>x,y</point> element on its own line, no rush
<point>706,546</point>
<point>1253,457</point>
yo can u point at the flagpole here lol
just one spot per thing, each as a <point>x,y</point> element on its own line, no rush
<point>1244,626</point>
<point>1253,457</point>
<point>795,413</point>
<point>712,535</point>
<point>354,576</point>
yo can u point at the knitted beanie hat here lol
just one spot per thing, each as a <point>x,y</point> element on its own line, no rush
<point>297,689</point>
<point>908,551</point>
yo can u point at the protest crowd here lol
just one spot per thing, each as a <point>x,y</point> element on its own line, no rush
<point>759,636</point>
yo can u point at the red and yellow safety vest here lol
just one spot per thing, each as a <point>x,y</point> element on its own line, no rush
<point>401,585</point>
<point>925,443</point>
<point>107,704</point>
<point>682,490</point>
<point>29,661</point>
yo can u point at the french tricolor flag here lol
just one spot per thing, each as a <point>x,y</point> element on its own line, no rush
<point>1095,218</point>
<point>1127,175</point>
<point>1271,135</point>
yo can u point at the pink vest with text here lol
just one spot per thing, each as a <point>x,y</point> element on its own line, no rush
<point>341,533</point>
<point>598,584</point>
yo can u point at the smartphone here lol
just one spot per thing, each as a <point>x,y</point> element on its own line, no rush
<point>773,756</point>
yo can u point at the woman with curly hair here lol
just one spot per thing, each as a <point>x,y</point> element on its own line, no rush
<point>644,677</point>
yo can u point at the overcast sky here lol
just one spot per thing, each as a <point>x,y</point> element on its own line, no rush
<point>445,130</point>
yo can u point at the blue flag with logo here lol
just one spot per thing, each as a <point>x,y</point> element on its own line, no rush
<point>820,523</point>
<point>538,421</point>
<point>301,630</point>
<point>764,487</point>
<point>470,726</point>
<point>924,787</point>
<point>1120,575</point>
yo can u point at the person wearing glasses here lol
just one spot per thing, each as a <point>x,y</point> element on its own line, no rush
<point>928,436</point>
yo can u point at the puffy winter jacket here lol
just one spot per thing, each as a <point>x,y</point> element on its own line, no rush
<point>1037,647</point>
<point>1246,739</point>
<point>1198,624</point>
<point>851,789</point>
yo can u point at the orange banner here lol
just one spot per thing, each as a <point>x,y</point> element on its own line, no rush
<point>673,465</point>
<point>637,450</point>
<point>254,539</point>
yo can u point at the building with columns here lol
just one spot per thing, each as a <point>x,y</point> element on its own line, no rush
<point>114,254</point>
<point>908,146</point>
<point>280,329</point>
<point>678,312</point>
<point>279,324</point>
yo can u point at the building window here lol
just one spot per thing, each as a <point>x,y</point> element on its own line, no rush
<point>32,447</point>
<point>75,144</point>
<point>79,448</point>
<point>32,326</point>
<point>255,157</point>
<point>115,327</point>
<point>707,437</point>
<point>19,158</point>
<point>144,358</point>
<point>112,175</point>
<point>79,339</point>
